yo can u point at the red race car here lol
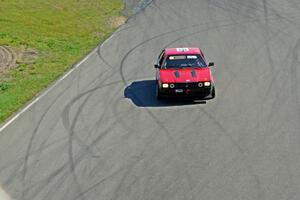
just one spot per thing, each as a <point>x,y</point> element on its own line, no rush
<point>184,72</point>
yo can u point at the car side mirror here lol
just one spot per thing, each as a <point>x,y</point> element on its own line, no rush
<point>211,64</point>
<point>156,66</point>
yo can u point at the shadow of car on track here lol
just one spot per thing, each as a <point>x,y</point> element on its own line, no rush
<point>142,94</point>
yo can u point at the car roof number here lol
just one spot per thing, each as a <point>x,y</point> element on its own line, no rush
<point>182,49</point>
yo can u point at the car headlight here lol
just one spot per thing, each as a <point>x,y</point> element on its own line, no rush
<point>172,85</point>
<point>200,84</point>
<point>165,85</point>
<point>207,84</point>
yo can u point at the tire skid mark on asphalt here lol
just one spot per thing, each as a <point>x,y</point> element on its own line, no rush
<point>133,163</point>
<point>98,184</point>
<point>274,75</point>
<point>99,52</point>
<point>285,18</point>
<point>257,52</point>
<point>294,86</point>
<point>243,152</point>
<point>79,141</point>
<point>70,146</point>
<point>77,115</point>
<point>235,8</point>
<point>294,5</point>
<point>65,167</point>
<point>66,121</point>
<point>294,74</point>
<point>35,131</point>
<point>164,14</point>
<point>256,177</point>
<point>121,121</point>
<point>65,118</point>
<point>224,131</point>
<point>242,14</point>
<point>20,162</point>
<point>268,6</point>
<point>80,95</point>
<point>232,10</point>
<point>116,114</point>
<point>72,134</point>
<point>98,88</point>
<point>269,54</point>
<point>164,17</point>
<point>269,118</point>
<point>88,92</point>
<point>273,83</point>
<point>252,171</point>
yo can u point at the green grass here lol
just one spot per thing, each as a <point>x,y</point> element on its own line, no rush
<point>61,31</point>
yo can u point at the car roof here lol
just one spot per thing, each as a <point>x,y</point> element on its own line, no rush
<point>182,50</point>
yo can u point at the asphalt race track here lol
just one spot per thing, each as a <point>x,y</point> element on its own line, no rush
<point>100,134</point>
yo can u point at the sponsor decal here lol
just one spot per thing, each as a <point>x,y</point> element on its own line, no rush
<point>192,57</point>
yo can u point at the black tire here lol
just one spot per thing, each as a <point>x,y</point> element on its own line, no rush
<point>213,93</point>
<point>158,95</point>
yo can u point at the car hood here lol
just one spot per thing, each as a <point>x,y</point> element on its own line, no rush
<point>185,75</point>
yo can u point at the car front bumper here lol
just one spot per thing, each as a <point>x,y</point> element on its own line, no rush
<point>199,93</point>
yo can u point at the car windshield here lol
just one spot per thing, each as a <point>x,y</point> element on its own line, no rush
<point>184,61</point>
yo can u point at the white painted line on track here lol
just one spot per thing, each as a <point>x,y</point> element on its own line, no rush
<point>4,195</point>
<point>36,99</point>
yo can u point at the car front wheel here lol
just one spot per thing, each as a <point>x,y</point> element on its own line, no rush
<point>213,93</point>
<point>158,95</point>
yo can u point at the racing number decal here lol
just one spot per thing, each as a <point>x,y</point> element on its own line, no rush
<point>182,49</point>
